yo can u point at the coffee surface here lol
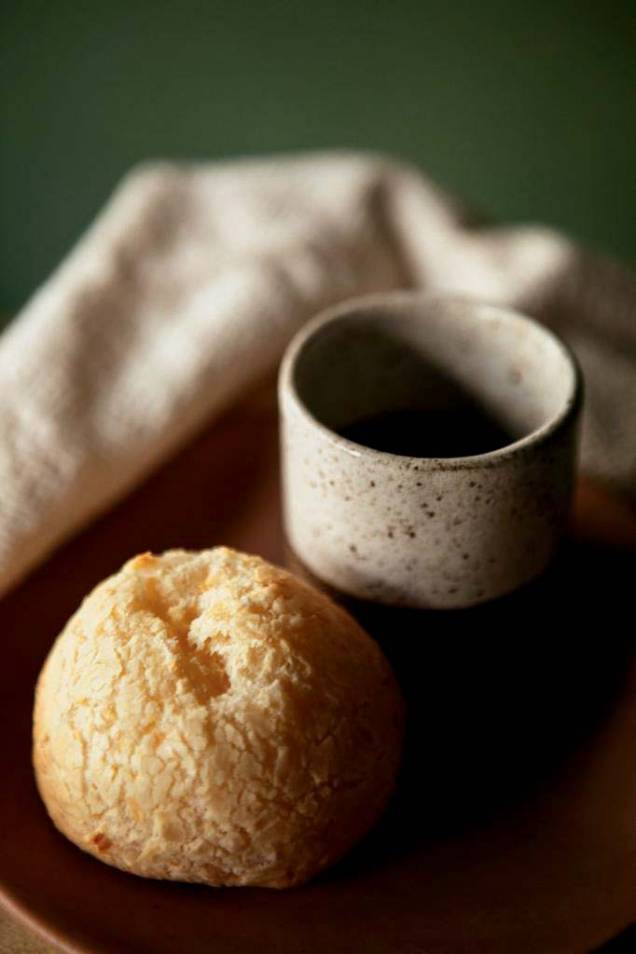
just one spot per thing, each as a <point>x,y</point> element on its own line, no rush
<point>440,432</point>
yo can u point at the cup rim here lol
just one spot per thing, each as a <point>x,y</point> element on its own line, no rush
<point>287,388</point>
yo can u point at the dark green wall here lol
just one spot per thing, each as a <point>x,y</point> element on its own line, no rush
<point>527,108</point>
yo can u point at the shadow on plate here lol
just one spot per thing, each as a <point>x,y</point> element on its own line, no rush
<point>499,696</point>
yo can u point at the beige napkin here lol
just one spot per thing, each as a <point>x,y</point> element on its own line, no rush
<point>189,285</point>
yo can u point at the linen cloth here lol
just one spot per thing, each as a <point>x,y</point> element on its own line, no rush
<point>193,279</point>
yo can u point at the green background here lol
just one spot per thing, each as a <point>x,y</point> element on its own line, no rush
<point>527,109</point>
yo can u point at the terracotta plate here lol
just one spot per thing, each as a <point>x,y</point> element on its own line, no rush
<point>514,828</point>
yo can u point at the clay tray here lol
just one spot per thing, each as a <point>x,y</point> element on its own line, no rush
<point>514,826</point>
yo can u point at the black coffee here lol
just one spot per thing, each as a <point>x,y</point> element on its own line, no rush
<point>441,432</point>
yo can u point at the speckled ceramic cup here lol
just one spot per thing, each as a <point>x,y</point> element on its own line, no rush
<point>422,531</point>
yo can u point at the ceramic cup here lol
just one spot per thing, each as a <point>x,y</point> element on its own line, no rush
<point>429,532</point>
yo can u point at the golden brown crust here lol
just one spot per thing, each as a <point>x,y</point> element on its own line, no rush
<point>208,717</point>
